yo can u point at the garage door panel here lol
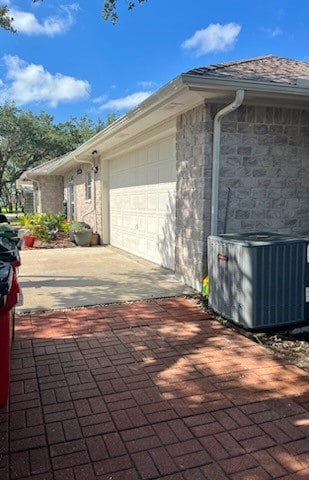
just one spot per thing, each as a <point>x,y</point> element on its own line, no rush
<point>133,202</point>
<point>143,197</point>
<point>117,235</point>
<point>141,201</point>
<point>152,249</point>
<point>166,203</point>
<point>142,224</point>
<point>130,240</point>
<point>152,226</point>
<point>118,220</point>
<point>152,201</point>
<point>142,246</point>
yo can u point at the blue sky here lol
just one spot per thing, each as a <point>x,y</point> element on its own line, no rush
<point>67,61</point>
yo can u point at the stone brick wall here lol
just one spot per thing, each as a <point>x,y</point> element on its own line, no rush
<point>193,166</point>
<point>88,211</point>
<point>49,194</point>
<point>264,178</point>
<point>265,164</point>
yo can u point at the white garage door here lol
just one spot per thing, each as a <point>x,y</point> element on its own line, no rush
<point>142,202</point>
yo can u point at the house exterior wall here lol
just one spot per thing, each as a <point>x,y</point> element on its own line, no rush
<point>49,194</point>
<point>88,211</point>
<point>193,193</point>
<point>265,163</point>
<point>264,178</point>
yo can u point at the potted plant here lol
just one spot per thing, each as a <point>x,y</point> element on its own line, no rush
<point>82,234</point>
<point>27,231</point>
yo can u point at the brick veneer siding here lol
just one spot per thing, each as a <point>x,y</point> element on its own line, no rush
<point>49,194</point>
<point>88,211</point>
<point>264,178</point>
<point>193,191</point>
<point>265,163</point>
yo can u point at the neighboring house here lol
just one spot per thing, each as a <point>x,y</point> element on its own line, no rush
<point>171,171</point>
<point>24,189</point>
<point>48,189</point>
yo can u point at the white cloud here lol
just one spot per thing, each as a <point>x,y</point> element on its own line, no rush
<point>30,83</point>
<point>273,32</point>
<point>214,38</point>
<point>102,98</point>
<point>26,23</point>
<point>126,103</point>
<point>146,84</point>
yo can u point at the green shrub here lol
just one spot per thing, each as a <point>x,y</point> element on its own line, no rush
<point>65,228</point>
<point>43,225</point>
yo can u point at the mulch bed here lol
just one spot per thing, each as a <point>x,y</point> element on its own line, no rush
<point>60,241</point>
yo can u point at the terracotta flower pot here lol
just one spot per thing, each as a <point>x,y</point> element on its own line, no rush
<point>94,239</point>
<point>28,240</point>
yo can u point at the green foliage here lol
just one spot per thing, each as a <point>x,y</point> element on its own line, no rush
<point>23,220</point>
<point>110,9</point>
<point>6,19</point>
<point>44,225</point>
<point>78,227</point>
<point>27,140</point>
<point>110,12</point>
<point>65,228</point>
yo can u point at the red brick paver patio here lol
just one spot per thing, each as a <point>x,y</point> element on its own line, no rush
<point>152,390</point>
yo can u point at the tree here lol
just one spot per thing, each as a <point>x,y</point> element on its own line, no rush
<point>5,19</point>
<point>110,8</point>
<point>27,140</point>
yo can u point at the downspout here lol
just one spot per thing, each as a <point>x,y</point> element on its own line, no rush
<point>240,94</point>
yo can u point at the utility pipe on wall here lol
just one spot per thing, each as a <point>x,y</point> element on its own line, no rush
<point>240,94</point>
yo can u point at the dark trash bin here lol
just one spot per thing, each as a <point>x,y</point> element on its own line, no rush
<point>3,219</point>
<point>11,234</point>
<point>9,290</point>
<point>9,251</point>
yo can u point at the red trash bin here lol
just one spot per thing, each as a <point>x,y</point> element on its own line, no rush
<point>9,290</point>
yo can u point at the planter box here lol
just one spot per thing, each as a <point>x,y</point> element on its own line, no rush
<point>83,239</point>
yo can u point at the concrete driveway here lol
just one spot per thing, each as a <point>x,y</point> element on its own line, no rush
<point>75,277</point>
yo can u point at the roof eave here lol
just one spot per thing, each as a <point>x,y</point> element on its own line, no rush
<point>258,86</point>
<point>168,93</point>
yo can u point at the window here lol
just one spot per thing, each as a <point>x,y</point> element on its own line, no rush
<point>88,185</point>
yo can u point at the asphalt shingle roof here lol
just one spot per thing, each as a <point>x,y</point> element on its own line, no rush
<point>268,68</point>
<point>46,167</point>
